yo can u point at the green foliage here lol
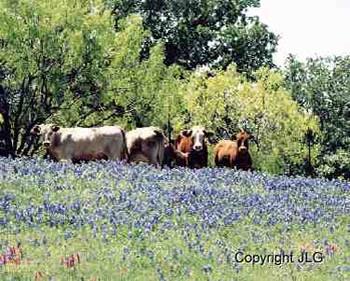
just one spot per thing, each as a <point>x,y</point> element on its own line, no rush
<point>335,165</point>
<point>204,32</point>
<point>63,62</point>
<point>146,89</point>
<point>322,86</point>
<point>227,101</point>
<point>53,59</point>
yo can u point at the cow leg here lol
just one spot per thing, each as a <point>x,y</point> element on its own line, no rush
<point>160,155</point>
<point>139,158</point>
<point>66,161</point>
<point>66,156</point>
<point>224,161</point>
<point>191,162</point>
<point>152,156</point>
<point>154,160</point>
<point>112,156</point>
<point>113,153</point>
<point>250,163</point>
<point>217,161</point>
<point>205,161</point>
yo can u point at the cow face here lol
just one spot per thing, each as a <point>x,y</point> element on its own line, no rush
<point>36,130</point>
<point>242,139</point>
<point>197,135</point>
<point>40,130</point>
<point>48,136</point>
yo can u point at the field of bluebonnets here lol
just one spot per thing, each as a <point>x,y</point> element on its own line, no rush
<point>112,221</point>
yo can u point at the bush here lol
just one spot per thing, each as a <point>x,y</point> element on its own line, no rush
<point>335,165</point>
<point>226,101</point>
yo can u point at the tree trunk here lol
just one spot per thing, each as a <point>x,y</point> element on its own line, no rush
<point>6,126</point>
<point>7,135</point>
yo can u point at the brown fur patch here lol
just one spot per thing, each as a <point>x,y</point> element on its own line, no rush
<point>227,153</point>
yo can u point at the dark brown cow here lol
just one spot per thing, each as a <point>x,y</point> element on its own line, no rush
<point>173,156</point>
<point>193,142</point>
<point>234,154</point>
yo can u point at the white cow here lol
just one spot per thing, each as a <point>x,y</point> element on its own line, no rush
<point>76,144</point>
<point>146,145</point>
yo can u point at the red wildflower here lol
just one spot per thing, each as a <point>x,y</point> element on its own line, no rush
<point>38,276</point>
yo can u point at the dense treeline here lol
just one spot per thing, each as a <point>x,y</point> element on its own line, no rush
<point>321,86</point>
<point>88,63</point>
<point>215,32</point>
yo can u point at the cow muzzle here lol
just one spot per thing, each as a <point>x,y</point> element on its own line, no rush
<point>197,147</point>
<point>243,149</point>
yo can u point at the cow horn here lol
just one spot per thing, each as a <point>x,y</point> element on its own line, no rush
<point>186,133</point>
<point>55,128</point>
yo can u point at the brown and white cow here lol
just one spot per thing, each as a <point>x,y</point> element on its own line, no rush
<point>146,145</point>
<point>234,154</point>
<point>193,142</point>
<point>79,144</point>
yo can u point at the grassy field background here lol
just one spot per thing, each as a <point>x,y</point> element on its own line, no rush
<point>112,221</point>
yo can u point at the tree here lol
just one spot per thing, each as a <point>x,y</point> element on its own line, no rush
<point>195,33</point>
<point>322,86</point>
<point>146,89</point>
<point>63,62</point>
<point>226,101</point>
<point>52,55</point>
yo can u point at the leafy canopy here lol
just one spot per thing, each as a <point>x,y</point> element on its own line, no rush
<point>195,33</point>
<point>227,101</point>
<point>62,61</point>
<point>321,86</point>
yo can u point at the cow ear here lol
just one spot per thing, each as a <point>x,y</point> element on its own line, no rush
<point>159,134</point>
<point>251,137</point>
<point>35,130</point>
<point>234,137</point>
<point>208,134</point>
<point>55,128</point>
<point>186,133</point>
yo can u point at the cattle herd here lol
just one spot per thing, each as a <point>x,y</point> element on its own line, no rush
<point>143,145</point>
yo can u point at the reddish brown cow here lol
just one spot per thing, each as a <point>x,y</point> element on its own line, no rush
<point>234,153</point>
<point>193,143</point>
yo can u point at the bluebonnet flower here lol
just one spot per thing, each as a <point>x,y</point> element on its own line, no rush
<point>111,199</point>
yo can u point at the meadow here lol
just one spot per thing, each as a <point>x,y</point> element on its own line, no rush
<point>115,221</point>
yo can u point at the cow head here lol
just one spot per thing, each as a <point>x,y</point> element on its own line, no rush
<point>197,135</point>
<point>159,134</point>
<point>36,130</point>
<point>242,139</point>
<point>51,131</point>
<point>40,130</point>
